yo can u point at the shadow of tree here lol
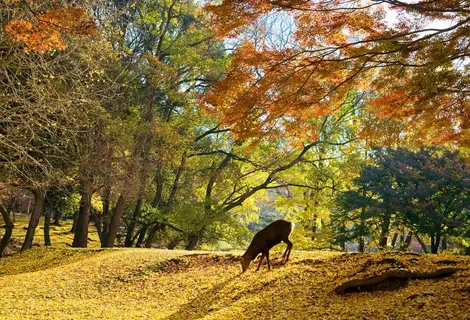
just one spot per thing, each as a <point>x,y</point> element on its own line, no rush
<point>201,305</point>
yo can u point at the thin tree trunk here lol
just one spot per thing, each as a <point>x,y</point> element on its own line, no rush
<point>141,238</point>
<point>38,209</point>
<point>383,242</point>
<point>444,243</point>
<point>172,245</point>
<point>314,225</point>
<point>98,224</point>
<point>152,232</point>
<point>105,215</point>
<point>8,230</point>
<point>394,239</point>
<point>361,240</point>
<point>342,230</point>
<point>402,238</point>
<point>115,221</point>
<point>421,242</point>
<point>384,233</point>
<point>362,245</point>
<point>363,210</point>
<point>130,229</point>
<point>47,224</point>
<point>407,241</point>
<point>435,241</point>
<point>159,187</point>
<point>80,239</point>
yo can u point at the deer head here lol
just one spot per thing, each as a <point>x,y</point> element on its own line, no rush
<point>245,261</point>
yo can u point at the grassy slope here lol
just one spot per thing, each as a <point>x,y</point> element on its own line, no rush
<point>160,284</point>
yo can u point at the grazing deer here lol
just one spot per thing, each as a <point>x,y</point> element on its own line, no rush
<point>267,238</point>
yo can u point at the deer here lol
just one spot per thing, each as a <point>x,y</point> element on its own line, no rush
<point>267,238</point>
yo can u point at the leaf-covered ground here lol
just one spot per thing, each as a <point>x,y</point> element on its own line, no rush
<point>61,237</point>
<point>47,283</point>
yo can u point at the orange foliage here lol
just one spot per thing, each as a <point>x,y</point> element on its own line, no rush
<point>46,32</point>
<point>418,73</point>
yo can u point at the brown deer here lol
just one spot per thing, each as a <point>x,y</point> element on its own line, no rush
<point>267,238</point>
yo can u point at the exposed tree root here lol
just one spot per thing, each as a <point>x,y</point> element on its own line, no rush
<point>394,278</point>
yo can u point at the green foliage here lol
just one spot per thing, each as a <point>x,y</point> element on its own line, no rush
<point>426,191</point>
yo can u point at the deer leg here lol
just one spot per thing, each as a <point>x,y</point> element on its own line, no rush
<point>267,259</point>
<point>285,253</point>
<point>260,261</point>
<point>289,247</point>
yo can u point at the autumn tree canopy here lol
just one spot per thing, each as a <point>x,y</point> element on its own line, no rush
<point>411,57</point>
<point>41,25</point>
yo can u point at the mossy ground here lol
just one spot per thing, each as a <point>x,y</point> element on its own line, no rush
<point>48,283</point>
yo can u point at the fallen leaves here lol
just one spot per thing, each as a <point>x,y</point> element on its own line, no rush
<point>161,284</point>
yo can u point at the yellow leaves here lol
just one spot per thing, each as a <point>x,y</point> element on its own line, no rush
<point>46,33</point>
<point>162,284</point>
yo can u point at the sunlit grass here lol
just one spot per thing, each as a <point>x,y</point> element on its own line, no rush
<point>48,283</point>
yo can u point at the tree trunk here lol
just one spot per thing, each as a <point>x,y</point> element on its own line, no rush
<point>98,224</point>
<point>174,243</point>
<point>394,239</point>
<point>435,241</point>
<point>115,221</point>
<point>444,243</point>
<point>105,215</point>
<point>8,230</point>
<point>362,245</point>
<point>152,232</point>
<point>74,225</point>
<point>384,232</point>
<point>130,229</point>
<point>342,230</point>
<point>159,187</point>
<point>406,242</point>
<point>38,209</point>
<point>314,224</point>
<point>421,242</point>
<point>141,238</point>
<point>192,242</point>
<point>383,242</point>
<point>80,239</point>
<point>47,224</point>
<point>362,228</point>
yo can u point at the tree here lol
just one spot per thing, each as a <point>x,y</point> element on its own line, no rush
<point>425,191</point>
<point>171,55</point>
<point>8,229</point>
<point>50,102</point>
<point>321,50</point>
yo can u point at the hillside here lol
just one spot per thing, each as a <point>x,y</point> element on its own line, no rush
<point>158,284</point>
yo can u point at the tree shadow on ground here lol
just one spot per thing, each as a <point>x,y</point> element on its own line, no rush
<point>44,258</point>
<point>201,305</point>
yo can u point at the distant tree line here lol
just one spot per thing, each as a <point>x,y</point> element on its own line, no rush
<point>424,193</point>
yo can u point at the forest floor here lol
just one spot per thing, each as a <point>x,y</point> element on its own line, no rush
<point>66,283</point>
